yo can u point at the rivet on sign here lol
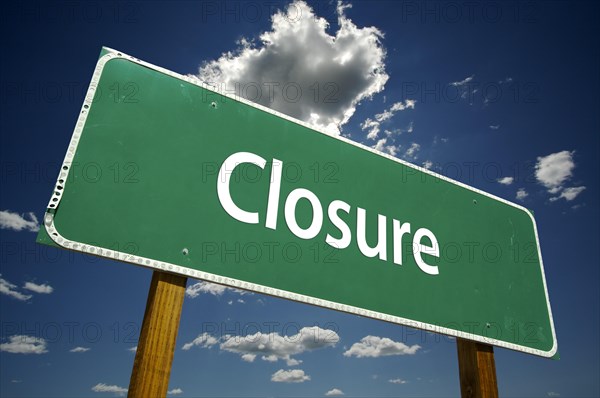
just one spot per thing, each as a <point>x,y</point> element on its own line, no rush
<point>185,251</point>
<point>488,325</point>
<point>474,201</point>
<point>213,105</point>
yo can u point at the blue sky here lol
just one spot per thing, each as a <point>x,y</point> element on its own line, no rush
<point>501,96</point>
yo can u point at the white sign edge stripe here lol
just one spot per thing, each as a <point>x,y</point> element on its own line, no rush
<point>138,260</point>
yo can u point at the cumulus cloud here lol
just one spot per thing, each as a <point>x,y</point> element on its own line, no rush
<point>21,344</point>
<point>18,222</point>
<point>428,164</point>
<point>175,391</point>
<point>522,194</point>
<point>398,381</point>
<point>336,392</point>
<point>199,288</point>
<point>321,83</point>
<point>554,170</point>
<point>374,347</point>
<point>506,180</point>
<point>41,289</point>
<point>101,387</point>
<point>289,376</point>
<point>10,289</point>
<point>80,349</point>
<point>270,347</point>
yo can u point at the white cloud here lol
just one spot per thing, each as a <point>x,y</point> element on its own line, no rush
<point>569,194</point>
<point>554,170</point>
<point>522,194</point>
<point>101,387</point>
<point>289,376</point>
<point>336,392</point>
<point>199,288</point>
<point>428,164</point>
<point>80,349</point>
<point>373,346</point>
<point>17,222</point>
<point>21,344</point>
<point>411,152</point>
<point>374,126</point>
<point>397,381</point>
<point>41,289</point>
<point>175,391</point>
<point>553,394</point>
<point>132,349</point>
<point>506,180</point>
<point>389,149</point>
<point>320,83</point>
<point>204,340</point>
<point>462,82</point>
<point>10,290</point>
<point>270,347</point>
<point>495,126</point>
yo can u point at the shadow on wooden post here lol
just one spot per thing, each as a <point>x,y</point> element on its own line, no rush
<point>477,369</point>
<point>156,346</point>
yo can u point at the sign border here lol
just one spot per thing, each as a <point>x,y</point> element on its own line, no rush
<point>61,241</point>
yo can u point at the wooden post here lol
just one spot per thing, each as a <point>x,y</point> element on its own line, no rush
<point>477,369</point>
<point>156,346</point>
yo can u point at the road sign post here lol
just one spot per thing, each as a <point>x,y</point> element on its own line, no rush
<point>156,345</point>
<point>477,369</point>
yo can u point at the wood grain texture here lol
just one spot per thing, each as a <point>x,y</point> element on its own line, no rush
<point>156,346</point>
<point>477,370</point>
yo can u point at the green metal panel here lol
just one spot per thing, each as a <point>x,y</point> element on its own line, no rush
<point>140,178</point>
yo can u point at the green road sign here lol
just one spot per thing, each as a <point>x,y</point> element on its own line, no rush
<point>164,172</point>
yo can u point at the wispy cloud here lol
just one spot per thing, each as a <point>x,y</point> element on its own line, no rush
<point>41,289</point>
<point>10,290</point>
<point>569,194</point>
<point>290,376</point>
<point>175,391</point>
<point>18,222</point>
<point>22,344</point>
<point>462,82</point>
<point>374,347</point>
<point>382,146</point>
<point>101,387</point>
<point>495,126</point>
<point>397,381</point>
<point>348,67</point>
<point>80,349</point>
<point>336,392</point>
<point>373,127</point>
<point>199,288</point>
<point>411,152</point>
<point>205,340</point>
